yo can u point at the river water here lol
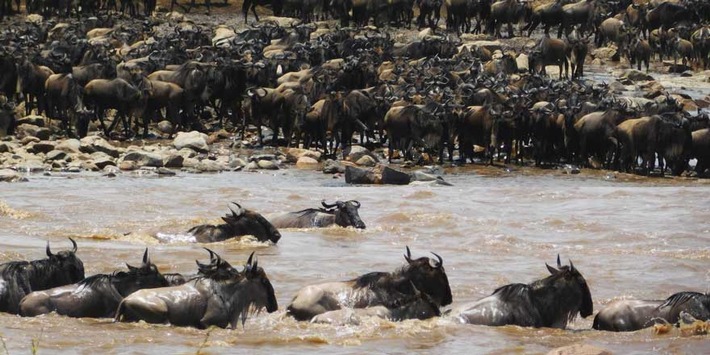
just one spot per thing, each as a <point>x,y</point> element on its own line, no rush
<point>629,237</point>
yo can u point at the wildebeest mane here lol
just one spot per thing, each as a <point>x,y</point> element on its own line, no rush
<point>372,279</point>
<point>513,292</point>
<point>680,298</point>
<point>41,269</point>
<point>312,210</point>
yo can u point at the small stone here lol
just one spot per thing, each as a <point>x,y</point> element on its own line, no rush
<point>173,161</point>
<point>56,155</point>
<point>306,163</point>
<point>43,147</point>
<point>5,148</point>
<point>366,160</point>
<point>210,166</point>
<point>32,120</point>
<point>193,140</point>
<point>636,75</point>
<point>28,140</point>
<point>333,167</point>
<point>267,164</point>
<point>687,73</point>
<point>355,152</point>
<point>166,127</point>
<point>579,349</point>
<point>102,160</point>
<point>165,172</point>
<point>252,166</point>
<point>69,145</point>
<point>128,165</point>
<point>143,158</point>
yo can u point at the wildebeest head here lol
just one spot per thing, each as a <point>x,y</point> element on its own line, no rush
<point>260,287</point>
<point>71,268</point>
<point>566,277</point>
<point>346,213</point>
<point>144,276</point>
<point>428,276</point>
<point>217,269</point>
<point>251,223</point>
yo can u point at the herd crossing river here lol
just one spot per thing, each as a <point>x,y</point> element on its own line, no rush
<point>629,237</point>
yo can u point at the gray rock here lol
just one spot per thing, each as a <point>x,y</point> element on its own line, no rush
<point>235,162</point>
<point>32,120</point>
<point>29,130</point>
<point>193,140</point>
<point>173,161</point>
<point>56,155</point>
<point>257,157</point>
<point>29,140</point>
<point>333,167</point>
<point>69,145</point>
<point>367,161</point>
<point>42,147</point>
<point>128,165</point>
<point>267,164</point>
<point>305,162</point>
<point>252,166</point>
<point>9,175</point>
<point>5,148</point>
<point>102,160</point>
<point>166,127</point>
<point>395,177</point>
<point>93,144</point>
<point>143,158</point>
<point>211,166</point>
<point>165,172</point>
<point>355,152</point>
<point>354,175</point>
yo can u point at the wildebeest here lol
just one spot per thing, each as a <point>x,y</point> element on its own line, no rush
<point>341,213</point>
<point>550,51</point>
<point>550,302</point>
<point>247,5</point>
<point>375,289</point>
<point>701,150</point>
<point>418,306</point>
<point>19,278</point>
<point>102,94</point>
<point>96,296</point>
<point>220,296</point>
<point>65,101</point>
<point>31,83</point>
<point>630,315</point>
<point>414,124</point>
<point>238,223</point>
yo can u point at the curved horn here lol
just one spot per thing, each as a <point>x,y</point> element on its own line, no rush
<point>408,256</point>
<point>146,261</point>
<point>571,266</point>
<point>49,252</point>
<point>326,205</point>
<point>441,261</point>
<point>73,243</point>
<point>251,256</point>
<point>212,254</point>
<point>235,213</point>
<point>559,265</point>
<point>356,203</point>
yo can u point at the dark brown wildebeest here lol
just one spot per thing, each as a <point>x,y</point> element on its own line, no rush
<point>65,101</point>
<point>549,14</point>
<point>701,150</point>
<point>505,11</point>
<point>238,223</point>
<point>31,83</point>
<point>103,94</point>
<point>19,278</point>
<point>579,13</point>
<point>96,296</point>
<point>340,213</point>
<point>414,124</point>
<point>631,315</point>
<point>550,302</point>
<point>474,125</point>
<point>219,296</point>
<point>550,51</point>
<point>639,52</point>
<point>423,275</point>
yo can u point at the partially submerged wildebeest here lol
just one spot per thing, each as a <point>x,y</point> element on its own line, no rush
<point>238,223</point>
<point>19,278</point>
<point>340,213</point>
<point>375,289</point>
<point>630,315</point>
<point>220,296</point>
<point>418,306</point>
<point>551,302</point>
<point>96,296</point>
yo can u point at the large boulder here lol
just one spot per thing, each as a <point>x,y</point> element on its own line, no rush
<point>143,158</point>
<point>93,144</point>
<point>71,146</point>
<point>305,162</point>
<point>193,140</point>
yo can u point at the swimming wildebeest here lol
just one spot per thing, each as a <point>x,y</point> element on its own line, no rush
<point>19,278</point>
<point>220,295</point>
<point>95,296</point>
<point>375,289</point>
<point>630,315</point>
<point>418,306</point>
<point>238,223</point>
<point>550,302</point>
<point>344,214</point>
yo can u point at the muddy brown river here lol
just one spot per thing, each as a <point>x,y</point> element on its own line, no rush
<point>628,236</point>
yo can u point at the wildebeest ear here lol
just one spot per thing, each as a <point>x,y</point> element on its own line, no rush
<point>146,261</point>
<point>238,212</point>
<point>131,268</point>
<point>571,266</point>
<point>551,269</point>
<point>559,265</point>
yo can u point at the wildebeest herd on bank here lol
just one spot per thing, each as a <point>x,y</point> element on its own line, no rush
<point>324,84</point>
